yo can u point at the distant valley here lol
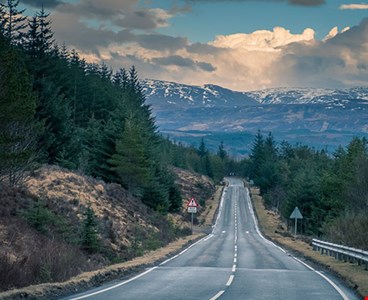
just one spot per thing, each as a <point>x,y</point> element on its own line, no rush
<point>320,118</point>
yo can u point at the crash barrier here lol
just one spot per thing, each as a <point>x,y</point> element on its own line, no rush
<point>342,253</point>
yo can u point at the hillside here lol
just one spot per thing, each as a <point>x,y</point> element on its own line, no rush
<point>43,225</point>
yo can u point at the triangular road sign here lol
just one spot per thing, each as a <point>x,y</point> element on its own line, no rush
<point>192,203</point>
<point>296,214</point>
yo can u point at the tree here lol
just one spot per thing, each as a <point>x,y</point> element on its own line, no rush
<point>89,238</point>
<point>18,128</point>
<point>13,22</point>
<point>221,152</point>
<point>130,161</point>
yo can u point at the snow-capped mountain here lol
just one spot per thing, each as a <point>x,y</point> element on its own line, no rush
<point>318,117</point>
<point>164,93</point>
<point>310,96</point>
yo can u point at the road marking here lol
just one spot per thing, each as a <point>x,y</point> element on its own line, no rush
<point>230,281</point>
<point>218,295</point>
<point>247,232</point>
<point>342,294</point>
<point>115,286</point>
<point>234,260</point>
<point>236,254</point>
<point>223,231</point>
<point>166,261</point>
<point>234,268</point>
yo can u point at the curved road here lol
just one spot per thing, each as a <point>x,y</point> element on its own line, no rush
<point>234,262</point>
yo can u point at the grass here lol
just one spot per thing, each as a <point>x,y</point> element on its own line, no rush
<point>270,224</point>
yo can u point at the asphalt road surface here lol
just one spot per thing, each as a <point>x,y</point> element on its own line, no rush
<point>234,262</point>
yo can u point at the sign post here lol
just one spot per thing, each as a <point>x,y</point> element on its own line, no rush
<point>192,209</point>
<point>296,214</point>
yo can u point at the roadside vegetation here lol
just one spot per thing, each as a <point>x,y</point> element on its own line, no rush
<point>331,190</point>
<point>86,180</point>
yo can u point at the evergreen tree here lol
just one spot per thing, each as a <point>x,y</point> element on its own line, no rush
<point>13,22</point>
<point>18,129</point>
<point>221,152</point>
<point>130,162</point>
<point>89,238</point>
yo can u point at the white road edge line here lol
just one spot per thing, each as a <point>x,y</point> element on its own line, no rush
<point>115,286</point>
<point>230,281</point>
<point>166,261</point>
<point>342,294</point>
<point>218,295</point>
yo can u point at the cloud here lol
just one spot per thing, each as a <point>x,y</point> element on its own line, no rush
<point>124,33</point>
<point>292,2</point>
<point>262,40</point>
<point>44,3</point>
<point>115,14</point>
<point>354,6</point>
<point>179,61</point>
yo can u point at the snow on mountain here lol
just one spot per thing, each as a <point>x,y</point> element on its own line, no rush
<point>322,118</point>
<point>310,96</point>
<point>162,93</point>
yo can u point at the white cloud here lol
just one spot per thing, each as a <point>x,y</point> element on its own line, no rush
<point>115,33</point>
<point>262,40</point>
<point>354,6</point>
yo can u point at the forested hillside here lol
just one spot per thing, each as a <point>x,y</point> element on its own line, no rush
<point>58,109</point>
<point>80,155</point>
<point>331,190</point>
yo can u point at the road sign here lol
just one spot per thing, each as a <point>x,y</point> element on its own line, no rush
<point>192,203</point>
<point>192,209</point>
<point>296,214</point>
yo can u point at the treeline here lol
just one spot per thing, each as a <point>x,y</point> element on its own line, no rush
<point>331,190</point>
<point>56,108</point>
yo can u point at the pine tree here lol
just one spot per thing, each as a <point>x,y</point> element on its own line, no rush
<point>130,161</point>
<point>13,22</point>
<point>221,152</point>
<point>89,239</point>
<point>18,128</point>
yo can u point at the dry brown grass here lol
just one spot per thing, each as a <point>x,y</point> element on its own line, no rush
<point>274,229</point>
<point>53,290</point>
<point>69,194</point>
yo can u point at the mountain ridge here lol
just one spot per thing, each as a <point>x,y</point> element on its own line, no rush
<point>321,118</point>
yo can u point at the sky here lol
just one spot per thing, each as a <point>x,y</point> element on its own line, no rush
<point>238,44</point>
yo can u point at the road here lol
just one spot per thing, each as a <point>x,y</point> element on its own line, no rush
<point>234,262</point>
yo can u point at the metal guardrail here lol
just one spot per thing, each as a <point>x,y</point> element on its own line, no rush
<point>340,252</point>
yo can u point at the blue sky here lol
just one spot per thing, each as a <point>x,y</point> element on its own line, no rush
<point>239,44</point>
<point>207,19</point>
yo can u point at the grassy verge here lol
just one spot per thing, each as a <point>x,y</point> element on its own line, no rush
<point>270,224</point>
<point>118,271</point>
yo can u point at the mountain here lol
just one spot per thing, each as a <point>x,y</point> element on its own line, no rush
<point>164,94</point>
<point>322,118</point>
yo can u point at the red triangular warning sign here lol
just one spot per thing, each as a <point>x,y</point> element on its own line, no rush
<point>193,203</point>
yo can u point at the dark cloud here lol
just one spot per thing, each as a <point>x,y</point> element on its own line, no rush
<point>338,62</point>
<point>44,3</point>
<point>307,2</point>
<point>293,2</point>
<point>176,60</point>
<point>206,66</point>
